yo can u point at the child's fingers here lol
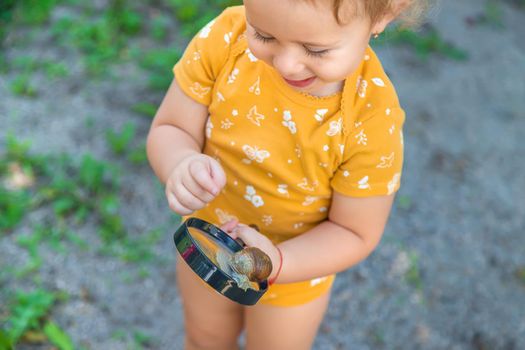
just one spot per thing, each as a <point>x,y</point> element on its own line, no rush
<point>197,189</point>
<point>202,175</point>
<point>217,173</point>
<point>249,236</point>
<point>229,226</point>
<point>176,206</point>
<point>181,200</point>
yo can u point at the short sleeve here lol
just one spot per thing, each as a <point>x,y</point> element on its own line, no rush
<point>373,156</point>
<point>207,53</point>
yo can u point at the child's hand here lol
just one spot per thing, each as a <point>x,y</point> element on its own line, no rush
<point>253,238</point>
<point>194,182</point>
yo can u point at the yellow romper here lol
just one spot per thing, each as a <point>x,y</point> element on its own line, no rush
<point>283,151</point>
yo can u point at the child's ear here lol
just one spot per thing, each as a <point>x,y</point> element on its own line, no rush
<point>398,6</point>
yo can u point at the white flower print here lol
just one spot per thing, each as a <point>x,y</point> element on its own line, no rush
<point>361,87</point>
<point>335,127</point>
<point>233,76</point>
<point>226,124</point>
<point>362,139</point>
<point>288,122</point>
<point>401,138</point>
<point>342,148</point>
<point>386,161</point>
<point>209,128</point>
<point>388,111</point>
<point>223,216</point>
<point>320,114</point>
<point>252,196</point>
<point>256,88</point>
<point>283,189</point>
<point>393,183</point>
<point>251,56</point>
<point>220,97</point>
<point>255,117</point>
<point>379,82</point>
<point>228,38</point>
<point>392,128</point>
<point>307,185</point>
<point>298,225</point>
<point>205,32</point>
<point>267,220</point>
<point>197,55</point>
<point>363,183</point>
<point>298,151</point>
<point>199,90</point>
<point>254,154</point>
<point>308,200</point>
<point>317,281</point>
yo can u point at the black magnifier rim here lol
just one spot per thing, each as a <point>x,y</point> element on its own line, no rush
<point>206,269</point>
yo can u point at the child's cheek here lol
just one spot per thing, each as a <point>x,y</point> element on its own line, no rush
<point>338,69</point>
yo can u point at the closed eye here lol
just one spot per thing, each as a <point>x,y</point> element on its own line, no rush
<point>315,53</point>
<point>261,37</point>
<point>309,52</point>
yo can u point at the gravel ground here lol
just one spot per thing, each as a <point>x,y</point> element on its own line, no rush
<point>445,275</point>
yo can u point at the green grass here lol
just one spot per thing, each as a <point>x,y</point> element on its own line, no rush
<point>27,311</point>
<point>413,275</point>
<point>22,86</point>
<point>72,190</point>
<point>145,109</point>
<point>120,140</point>
<point>423,43</point>
<point>520,274</point>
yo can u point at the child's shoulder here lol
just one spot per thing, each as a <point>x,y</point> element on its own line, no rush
<point>232,21</point>
<point>375,92</point>
<point>234,12</point>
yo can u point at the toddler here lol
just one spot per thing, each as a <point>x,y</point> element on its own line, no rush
<point>280,117</point>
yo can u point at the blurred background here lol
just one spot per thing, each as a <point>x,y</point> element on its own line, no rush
<point>86,252</point>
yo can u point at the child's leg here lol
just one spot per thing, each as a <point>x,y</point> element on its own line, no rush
<point>284,328</point>
<point>211,320</point>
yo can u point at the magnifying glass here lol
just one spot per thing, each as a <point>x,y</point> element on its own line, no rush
<point>208,251</point>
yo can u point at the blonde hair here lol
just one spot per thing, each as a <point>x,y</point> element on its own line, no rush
<point>410,15</point>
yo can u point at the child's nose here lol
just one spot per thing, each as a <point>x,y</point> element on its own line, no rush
<point>288,64</point>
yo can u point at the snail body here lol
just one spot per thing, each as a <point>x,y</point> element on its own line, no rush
<point>253,263</point>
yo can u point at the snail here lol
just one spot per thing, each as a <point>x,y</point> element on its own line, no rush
<point>246,266</point>
<point>253,263</point>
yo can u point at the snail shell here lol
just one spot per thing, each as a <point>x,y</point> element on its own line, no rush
<point>253,263</point>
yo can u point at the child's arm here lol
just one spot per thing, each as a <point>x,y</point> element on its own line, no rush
<point>174,147</point>
<point>352,231</point>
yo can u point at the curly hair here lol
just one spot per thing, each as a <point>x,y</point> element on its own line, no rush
<point>411,14</point>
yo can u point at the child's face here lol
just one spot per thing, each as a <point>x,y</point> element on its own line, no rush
<point>305,44</point>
